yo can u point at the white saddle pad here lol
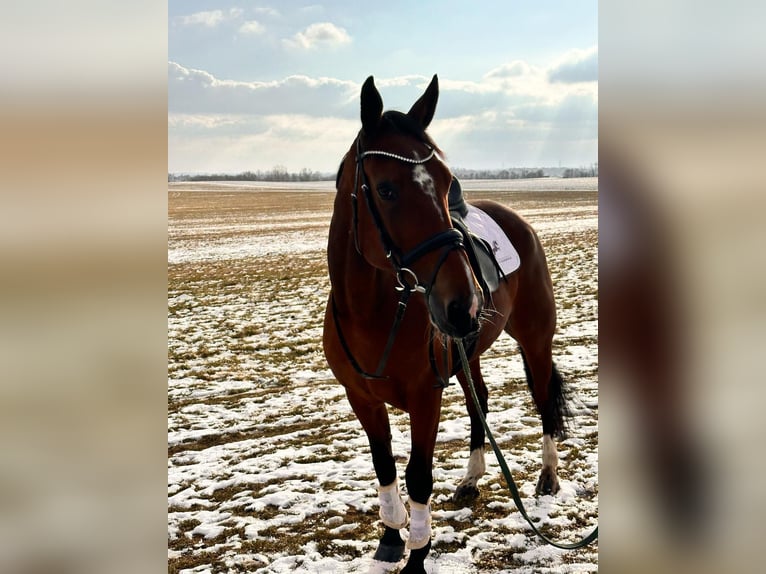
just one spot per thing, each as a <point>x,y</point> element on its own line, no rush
<point>485,227</point>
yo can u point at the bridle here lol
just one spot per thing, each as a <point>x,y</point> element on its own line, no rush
<point>448,239</point>
<point>407,281</point>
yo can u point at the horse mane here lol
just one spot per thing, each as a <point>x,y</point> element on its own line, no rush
<point>340,171</point>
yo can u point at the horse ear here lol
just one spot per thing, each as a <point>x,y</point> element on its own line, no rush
<point>372,106</point>
<point>423,110</point>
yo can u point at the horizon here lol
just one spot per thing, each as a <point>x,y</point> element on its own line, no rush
<point>332,173</point>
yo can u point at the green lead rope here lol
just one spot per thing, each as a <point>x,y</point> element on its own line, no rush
<point>506,472</point>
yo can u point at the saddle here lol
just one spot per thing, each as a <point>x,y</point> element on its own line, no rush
<point>480,253</point>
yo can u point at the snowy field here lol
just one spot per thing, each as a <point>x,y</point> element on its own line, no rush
<point>268,470</point>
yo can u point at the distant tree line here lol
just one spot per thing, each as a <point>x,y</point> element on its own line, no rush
<point>526,173</point>
<point>591,171</point>
<point>521,173</point>
<point>280,173</point>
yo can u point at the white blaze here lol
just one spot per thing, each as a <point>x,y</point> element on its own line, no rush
<point>421,176</point>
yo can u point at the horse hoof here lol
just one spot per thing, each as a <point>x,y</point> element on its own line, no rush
<point>420,569</point>
<point>465,495</point>
<point>389,553</point>
<point>417,558</point>
<point>548,482</point>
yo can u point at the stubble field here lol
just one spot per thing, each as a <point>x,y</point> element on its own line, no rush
<point>268,470</point>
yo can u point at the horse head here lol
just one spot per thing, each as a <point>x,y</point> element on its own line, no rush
<point>401,218</point>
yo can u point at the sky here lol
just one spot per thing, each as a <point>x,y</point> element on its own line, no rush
<point>254,85</point>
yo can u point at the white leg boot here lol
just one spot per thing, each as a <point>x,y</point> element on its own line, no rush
<point>392,510</point>
<point>420,524</point>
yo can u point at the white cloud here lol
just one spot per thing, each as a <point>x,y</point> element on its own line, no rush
<point>245,142</point>
<point>201,121</point>
<point>252,27</point>
<point>576,66</point>
<point>210,18</point>
<point>266,11</point>
<point>516,114</point>
<point>520,78</point>
<point>320,34</point>
<point>574,108</point>
<point>199,92</point>
<point>313,9</point>
<point>533,100</point>
<point>512,69</point>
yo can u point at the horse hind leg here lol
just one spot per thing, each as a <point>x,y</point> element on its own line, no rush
<point>548,391</point>
<point>468,491</point>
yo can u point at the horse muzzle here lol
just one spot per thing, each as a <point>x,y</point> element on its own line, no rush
<point>457,317</point>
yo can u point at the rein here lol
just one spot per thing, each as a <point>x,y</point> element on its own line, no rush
<point>407,281</point>
<point>504,466</point>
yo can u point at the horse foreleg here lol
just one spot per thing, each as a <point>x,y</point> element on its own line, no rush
<point>424,425</point>
<point>393,514</point>
<point>467,491</point>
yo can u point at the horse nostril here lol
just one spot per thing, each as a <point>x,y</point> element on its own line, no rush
<point>462,316</point>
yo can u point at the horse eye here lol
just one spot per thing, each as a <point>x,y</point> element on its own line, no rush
<point>387,191</point>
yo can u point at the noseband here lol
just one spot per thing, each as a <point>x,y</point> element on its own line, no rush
<point>448,239</point>
<point>406,279</point>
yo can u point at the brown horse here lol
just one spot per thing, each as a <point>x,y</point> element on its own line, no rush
<point>391,236</point>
